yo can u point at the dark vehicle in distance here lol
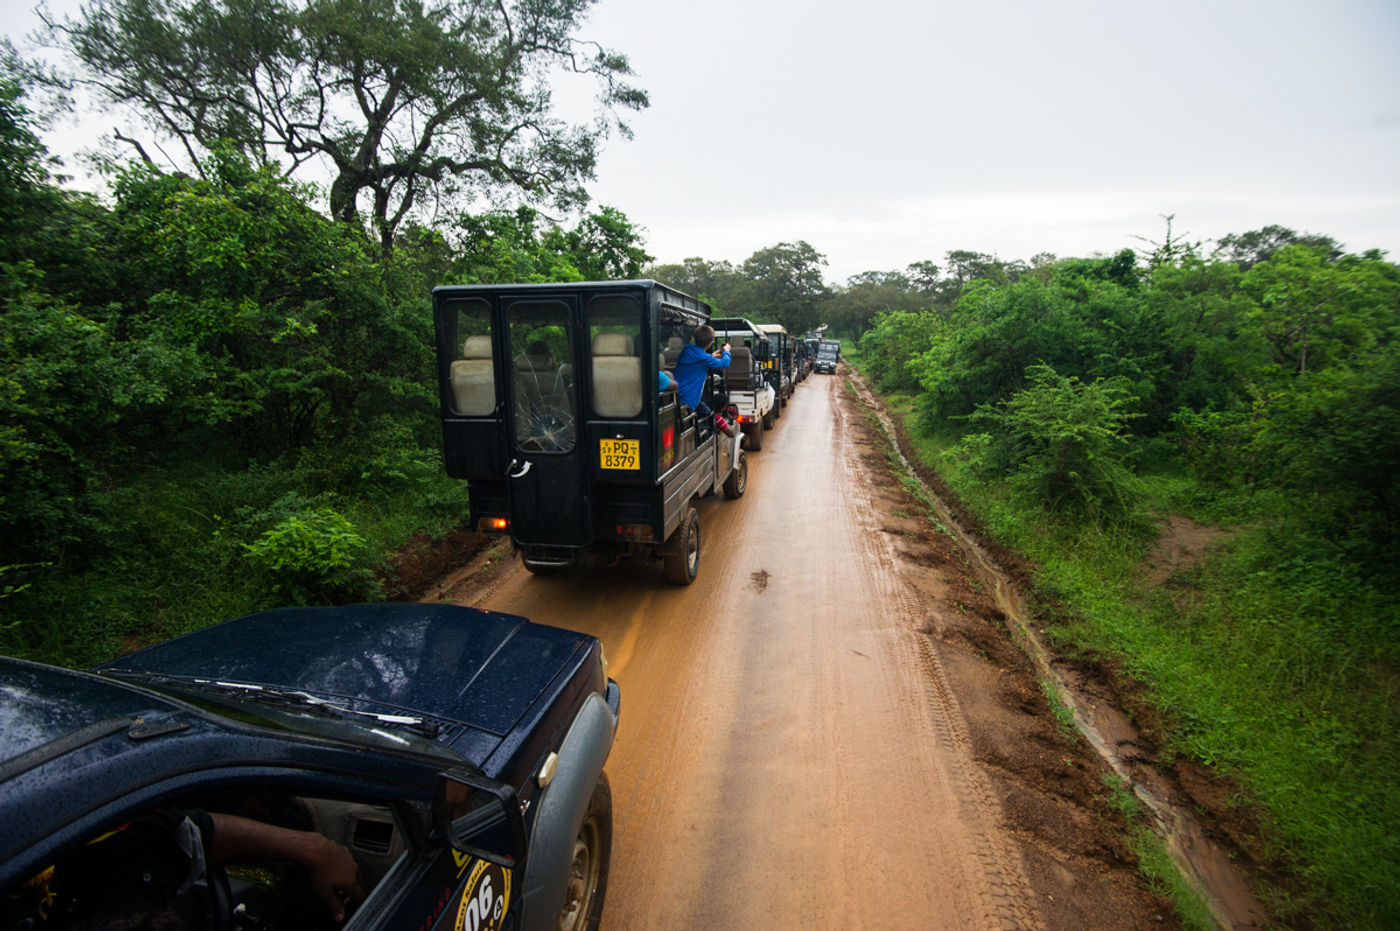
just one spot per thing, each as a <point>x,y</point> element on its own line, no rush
<point>458,754</point>
<point>828,354</point>
<point>806,356</point>
<point>551,410</point>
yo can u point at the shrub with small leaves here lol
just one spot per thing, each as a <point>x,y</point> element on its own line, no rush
<point>1062,443</point>
<point>313,555</point>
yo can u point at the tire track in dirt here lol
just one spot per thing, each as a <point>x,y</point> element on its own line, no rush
<point>1007,900</point>
<point>1108,730</point>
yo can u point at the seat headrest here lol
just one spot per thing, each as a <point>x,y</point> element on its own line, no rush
<point>612,344</point>
<point>675,343</point>
<point>535,362</point>
<point>477,347</point>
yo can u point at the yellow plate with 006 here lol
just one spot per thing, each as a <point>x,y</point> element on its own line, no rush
<point>620,454</point>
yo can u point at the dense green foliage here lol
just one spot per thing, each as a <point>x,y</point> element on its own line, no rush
<point>1076,404</point>
<point>215,399</point>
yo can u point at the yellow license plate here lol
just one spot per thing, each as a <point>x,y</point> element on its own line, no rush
<point>620,454</point>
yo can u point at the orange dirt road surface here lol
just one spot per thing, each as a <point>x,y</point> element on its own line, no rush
<point>829,728</point>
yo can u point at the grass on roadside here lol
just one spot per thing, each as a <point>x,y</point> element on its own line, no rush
<point>1155,861</point>
<point>1272,663</point>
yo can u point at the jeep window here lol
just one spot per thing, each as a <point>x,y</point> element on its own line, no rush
<point>473,372</point>
<point>258,890</point>
<point>542,376</point>
<point>615,341</point>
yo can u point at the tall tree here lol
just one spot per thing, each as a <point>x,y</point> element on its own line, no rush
<point>1249,249</point>
<point>400,100</point>
<point>784,285</point>
<point>715,282</point>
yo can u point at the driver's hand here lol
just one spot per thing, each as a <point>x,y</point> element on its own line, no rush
<point>335,876</point>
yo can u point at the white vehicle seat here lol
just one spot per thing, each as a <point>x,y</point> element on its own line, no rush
<point>672,355</point>
<point>617,376</point>
<point>474,378</point>
<point>740,367</point>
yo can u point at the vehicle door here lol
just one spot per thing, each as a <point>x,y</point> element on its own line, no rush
<point>546,486</point>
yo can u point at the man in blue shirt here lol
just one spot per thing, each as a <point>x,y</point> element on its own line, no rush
<point>695,364</point>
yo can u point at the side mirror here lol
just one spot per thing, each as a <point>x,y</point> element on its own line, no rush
<point>479,817</point>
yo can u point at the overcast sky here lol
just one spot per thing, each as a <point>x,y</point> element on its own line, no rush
<point>885,132</point>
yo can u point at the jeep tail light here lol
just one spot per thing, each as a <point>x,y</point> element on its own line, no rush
<point>493,523</point>
<point>641,532</point>
<point>668,437</point>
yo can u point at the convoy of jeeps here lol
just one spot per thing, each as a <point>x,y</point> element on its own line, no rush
<point>555,412</point>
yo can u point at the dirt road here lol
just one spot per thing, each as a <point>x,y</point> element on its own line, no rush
<point>829,729</point>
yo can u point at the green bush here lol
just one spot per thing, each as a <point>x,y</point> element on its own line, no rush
<point>313,554</point>
<point>1061,443</point>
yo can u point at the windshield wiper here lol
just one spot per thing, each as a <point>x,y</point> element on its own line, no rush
<point>286,698</point>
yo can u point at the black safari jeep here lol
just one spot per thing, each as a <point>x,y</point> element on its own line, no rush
<point>553,411</point>
<point>455,756</point>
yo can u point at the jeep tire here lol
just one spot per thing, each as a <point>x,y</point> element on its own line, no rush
<point>756,435</point>
<point>683,565</point>
<point>738,481</point>
<point>588,873</point>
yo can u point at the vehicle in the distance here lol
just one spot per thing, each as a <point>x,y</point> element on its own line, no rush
<point>806,356</point>
<point>552,411</point>
<point>782,369</point>
<point>828,355</point>
<point>750,394</point>
<point>457,754</point>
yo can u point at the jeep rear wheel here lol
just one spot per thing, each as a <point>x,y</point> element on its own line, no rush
<point>756,435</point>
<point>684,564</point>
<point>588,874</point>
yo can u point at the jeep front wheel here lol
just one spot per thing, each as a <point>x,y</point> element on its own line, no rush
<point>588,874</point>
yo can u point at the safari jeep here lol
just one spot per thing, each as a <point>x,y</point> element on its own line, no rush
<point>749,392</point>
<point>782,368</point>
<point>552,411</point>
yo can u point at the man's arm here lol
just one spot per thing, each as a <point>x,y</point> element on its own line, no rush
<point>334,873</point>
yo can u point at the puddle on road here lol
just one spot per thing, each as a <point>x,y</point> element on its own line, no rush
<point>1110,732</point>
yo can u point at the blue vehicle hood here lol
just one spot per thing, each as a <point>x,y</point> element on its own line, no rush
<point>478,669</point>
